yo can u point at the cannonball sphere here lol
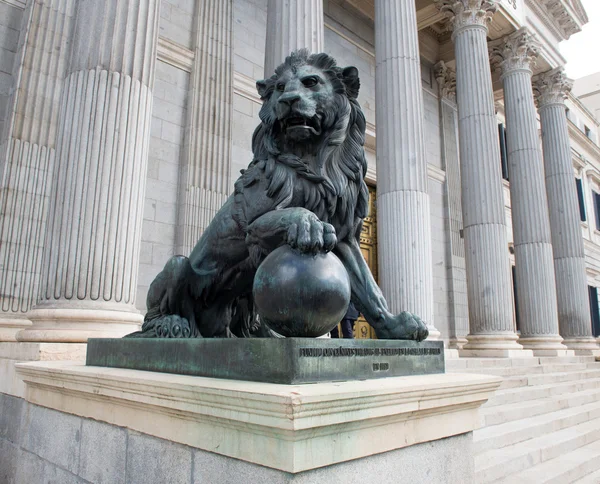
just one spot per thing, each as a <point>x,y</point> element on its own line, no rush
<point>301,295</point>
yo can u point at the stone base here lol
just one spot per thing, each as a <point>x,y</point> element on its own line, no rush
<point>450,353</point>
<point>77,325</point>
<point>271,360</point>
<point>86,450</point>
<point>11,324</point>
<point>583,346</point>
<point>12,353</point>
<point>291,428</point>
<point>457,343</point>
<point>546,346</point>
<point>497,345</point>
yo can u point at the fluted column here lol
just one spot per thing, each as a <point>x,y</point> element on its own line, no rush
<point>486,246</point>
<point>93,237</point>
<point>575,324</point>
<point>515,57</point>
<point>292,25</point>
<point>404,225</point>
<point>27,169</point>
<point>455,249</point>
<point>205,175</point>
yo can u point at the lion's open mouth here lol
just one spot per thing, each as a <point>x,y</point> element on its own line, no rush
<point>296,123</point>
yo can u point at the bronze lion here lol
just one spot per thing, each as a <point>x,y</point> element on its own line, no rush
<point>305,187</point>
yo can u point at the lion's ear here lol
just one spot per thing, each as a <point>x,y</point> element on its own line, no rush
<point>351,81</point>
<point>261,87</point>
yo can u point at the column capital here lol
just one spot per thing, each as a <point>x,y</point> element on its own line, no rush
<point>446,79</point>
<point>551,87</point>
<point>515,52</point>
<point>466,13</point>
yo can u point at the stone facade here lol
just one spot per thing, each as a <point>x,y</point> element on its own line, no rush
<point>196,64</point>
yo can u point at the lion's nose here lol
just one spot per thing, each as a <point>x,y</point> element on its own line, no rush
<point>289,98</point>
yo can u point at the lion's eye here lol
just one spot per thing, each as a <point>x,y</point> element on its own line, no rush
<point>310,81</point>
<point>281,86</point>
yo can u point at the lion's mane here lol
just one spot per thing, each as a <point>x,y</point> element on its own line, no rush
<point>337,192</point>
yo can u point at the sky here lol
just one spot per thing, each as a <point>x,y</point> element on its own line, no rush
<point>582,50</point>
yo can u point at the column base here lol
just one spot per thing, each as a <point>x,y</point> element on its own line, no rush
<point>497,345</point>
<point>11,324</point>
<point>587,346</point>
<point>457,343</point>
<point>77,325</point>
<point>550,345</point>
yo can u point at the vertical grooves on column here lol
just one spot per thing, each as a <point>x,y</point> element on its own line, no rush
<point>30,154</point>
<point>486,245</point>
<point>97,220</point>
<point>569,256</point>
<point>531,225</point>
<point>93,239</point>
<point>292,25</point>
<point>459,322</point>
<point>205,180</point>
<point>404,233</point>
<point>23,214</point>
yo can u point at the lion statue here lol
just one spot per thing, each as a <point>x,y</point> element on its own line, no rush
<point>305,187</point>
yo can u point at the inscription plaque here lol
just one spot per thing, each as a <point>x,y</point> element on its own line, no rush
<point>272,360</point>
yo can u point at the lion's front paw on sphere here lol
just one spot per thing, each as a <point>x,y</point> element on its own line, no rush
<point>301,295</point>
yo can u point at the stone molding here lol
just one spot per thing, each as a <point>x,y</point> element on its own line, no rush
<point>446,79</point>
<point>288,427</point>
<point>467,13</point>
<point>515,52</point>
<point>551,87</point>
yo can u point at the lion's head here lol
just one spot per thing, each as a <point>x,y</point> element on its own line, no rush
<point>310,112</point>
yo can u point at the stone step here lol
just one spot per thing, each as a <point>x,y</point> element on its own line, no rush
<point>520,394</point>
<point>548,378</point>
<point>593,478</point>
<point>516,411</point>
<point>511,433</point>
<point>500,463</point>
<point>567,468</point>
<point>527,370</point>
<point>464,363</point>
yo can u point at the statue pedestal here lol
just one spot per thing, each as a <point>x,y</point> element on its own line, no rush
<point>271,360</point>
<point>416,428</point>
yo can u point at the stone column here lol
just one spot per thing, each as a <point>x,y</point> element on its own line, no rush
<point>93,236</point>
<point>486,245</point>
<point>515,57</point>
<point>28,156</point>
<point>292,25</point>
<point>455,249</point>
<point>574,318</point>
<point>205,175</point>
<point>404,224</point>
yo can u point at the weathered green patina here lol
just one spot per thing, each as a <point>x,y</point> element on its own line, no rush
<point>271,360</point>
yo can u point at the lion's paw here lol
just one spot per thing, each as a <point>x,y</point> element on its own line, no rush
<point>166,326</point>
<point>403,326</point>
<point>309,234</point>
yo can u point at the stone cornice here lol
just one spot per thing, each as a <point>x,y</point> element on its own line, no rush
<point>559,18</point>
<point>467,13</point>
<point>515,52</point>
<point>551,87</point>
<point>446,79</point>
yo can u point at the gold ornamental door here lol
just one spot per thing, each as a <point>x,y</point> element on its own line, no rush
<point>368,247</point>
